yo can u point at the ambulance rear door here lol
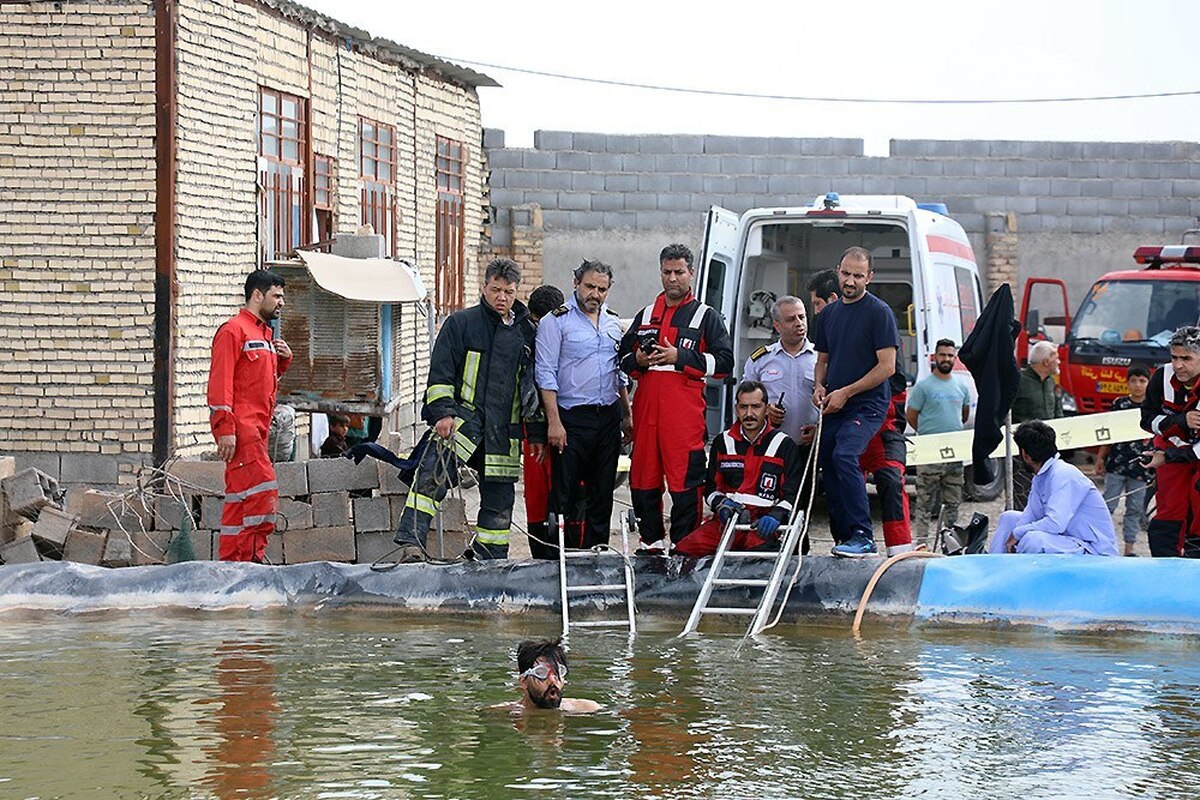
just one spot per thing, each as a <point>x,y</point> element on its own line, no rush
<point>717,278</point>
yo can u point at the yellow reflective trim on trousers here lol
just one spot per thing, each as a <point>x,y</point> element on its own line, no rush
<point>491,535</point>
<point>422,503</point>
<point>470,376</point>
<point>439,391</point>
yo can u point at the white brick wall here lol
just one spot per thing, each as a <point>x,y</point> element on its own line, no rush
<point>76,227</point>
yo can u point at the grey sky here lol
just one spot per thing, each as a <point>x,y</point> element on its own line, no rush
<point>867,49</point>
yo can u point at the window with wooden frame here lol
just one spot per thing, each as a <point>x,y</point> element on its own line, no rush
<point>324,196</point>
<point>282,149</point>
<point>377,173</point>
<point>451,228</point>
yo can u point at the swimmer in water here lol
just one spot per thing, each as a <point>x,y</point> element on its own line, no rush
<point>541,673</point>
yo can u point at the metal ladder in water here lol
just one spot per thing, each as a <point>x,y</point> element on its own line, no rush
<point>770,586</point>
<point>568,590</point>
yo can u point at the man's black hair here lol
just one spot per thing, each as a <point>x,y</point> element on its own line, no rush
<point>339,419</point>
<point>598,267</point>
<point>545,299</point>
<point>1037,439</point>
<point>1138,370</point>
<point>503,268</point>
<point>824,284</point>
<point>945,343</point>
<point>856,253</point>
<point>529,651</point>
<point>674,252</point>
<point>746,387</point>
<point>262,280</point>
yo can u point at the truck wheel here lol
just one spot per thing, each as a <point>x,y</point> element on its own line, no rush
<point>984,493</point>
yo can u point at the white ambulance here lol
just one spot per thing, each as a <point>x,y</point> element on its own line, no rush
<point>924,270</point>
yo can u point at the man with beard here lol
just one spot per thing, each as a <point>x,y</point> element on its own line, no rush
<point>753,474</point>
<point>939,403</point>
<point>672,346</point>
<point>541,674</point>
<point>587,408</point>
<point>243,378</point>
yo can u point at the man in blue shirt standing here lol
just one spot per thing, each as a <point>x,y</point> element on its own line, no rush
<point>856,341</point>
<point>586,404</point>
<point>939,403</point>
<point>1065,513</point>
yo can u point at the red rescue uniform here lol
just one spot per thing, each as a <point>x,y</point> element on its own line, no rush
<point>762,475</point>
<point>884,460</point>
<point>668,410</point>
<point>243,380</point>
<point>1175,529</point>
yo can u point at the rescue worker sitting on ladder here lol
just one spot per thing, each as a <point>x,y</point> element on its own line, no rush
<point>754,471</point>
<point>479,400</point>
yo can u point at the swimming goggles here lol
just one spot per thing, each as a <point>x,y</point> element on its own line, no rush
<point>541,671</point>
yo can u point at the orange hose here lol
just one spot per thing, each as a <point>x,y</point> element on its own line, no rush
<point>862,603</point>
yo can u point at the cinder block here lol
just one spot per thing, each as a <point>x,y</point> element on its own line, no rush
<point>51,531</point>
<point>118,551</point>
<point>294,515</point>
<point>318,544</point>
<point>28,491</point>
<point>84,547</point>
<point>46,462</point>
<point>372,514</point>
<point>20,551</point>
<point>199,477</point>
<point>330,509</point>
<point>210,512</point>
<point>534,159</point>
<point>292,477</point>
<point>170,511</point>
<point>16,529</point>
<point>553,140</point>
<point>87,468</point>
<point>503,158</point>
<point>109,511</point>
<point>620,183</point>
<point>396,508</point>
<point>449,544</point>
<point>273,553</point>
<point>454,514</point>
<point>370,547</point>
<point>202,545</point>
<point>8,467</point>
<point>493,138</point>
<point>149,547</point>
<point>578,162</point>
<point>340,475</point>
<point>590,142</point>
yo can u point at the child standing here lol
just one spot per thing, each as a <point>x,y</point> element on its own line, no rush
<point>1121,465</point>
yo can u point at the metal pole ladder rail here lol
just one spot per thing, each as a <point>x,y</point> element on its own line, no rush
<point>567,590</point>
<point>770,586</point>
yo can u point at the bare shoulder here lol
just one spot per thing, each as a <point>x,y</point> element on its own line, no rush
<point>512,707</point>
<point>573,705</point>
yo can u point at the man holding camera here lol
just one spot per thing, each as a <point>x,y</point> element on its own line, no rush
<point>671,347</point>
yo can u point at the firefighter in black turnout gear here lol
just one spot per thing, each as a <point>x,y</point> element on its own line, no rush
<point>480,400</point>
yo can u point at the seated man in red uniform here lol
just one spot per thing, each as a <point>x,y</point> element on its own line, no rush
<point>753,474</point>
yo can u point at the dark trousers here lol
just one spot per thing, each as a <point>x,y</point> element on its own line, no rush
<point>584,474</point>
<point>844,438</point>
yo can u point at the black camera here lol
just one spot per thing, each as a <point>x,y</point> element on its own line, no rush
<point>647,343</point>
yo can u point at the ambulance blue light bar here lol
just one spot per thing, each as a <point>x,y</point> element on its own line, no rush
<point>1168,254</point>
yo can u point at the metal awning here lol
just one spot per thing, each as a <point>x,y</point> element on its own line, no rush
<point>374,280</point>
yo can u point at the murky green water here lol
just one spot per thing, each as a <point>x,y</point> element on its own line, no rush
<point>371,706</point>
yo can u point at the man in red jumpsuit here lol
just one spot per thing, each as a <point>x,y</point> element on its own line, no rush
<point>247,360</point>
<point>671,347</point>
<point>885,461</point>
<point>753,474</point>
<point>1172,413</point>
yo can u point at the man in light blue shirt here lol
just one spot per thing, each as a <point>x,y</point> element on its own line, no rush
<point>586,404</point>
<point>1066,512</point>
<point>939,403</point>
<point>786,369</point>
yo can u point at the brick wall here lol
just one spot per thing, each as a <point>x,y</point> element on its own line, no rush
<point>77,231</point>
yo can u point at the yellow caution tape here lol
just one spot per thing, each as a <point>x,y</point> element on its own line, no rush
<point>1088,430</point>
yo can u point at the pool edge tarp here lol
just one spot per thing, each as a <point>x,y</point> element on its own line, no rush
<point>1063,591</point>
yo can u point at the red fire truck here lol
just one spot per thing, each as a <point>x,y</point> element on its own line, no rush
<point>1127,318</point>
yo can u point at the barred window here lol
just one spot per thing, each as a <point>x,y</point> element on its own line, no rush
<point>282,137</point>
<point>450,174</point>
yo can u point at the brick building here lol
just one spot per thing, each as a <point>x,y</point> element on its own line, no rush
<point>152,152</point>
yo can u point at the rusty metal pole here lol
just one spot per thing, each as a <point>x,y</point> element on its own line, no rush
<point>165,24</point>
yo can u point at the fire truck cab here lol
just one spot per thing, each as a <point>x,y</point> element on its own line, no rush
<point>1127,318</point>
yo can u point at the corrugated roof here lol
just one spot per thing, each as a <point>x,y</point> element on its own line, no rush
<point>376,47</point>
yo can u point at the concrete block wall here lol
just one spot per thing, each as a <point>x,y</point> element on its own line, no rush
<point>1078,208</point>
<point>77,228</point>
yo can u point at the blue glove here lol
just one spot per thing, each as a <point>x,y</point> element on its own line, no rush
<point>767,526</point>
<point>728,509</point>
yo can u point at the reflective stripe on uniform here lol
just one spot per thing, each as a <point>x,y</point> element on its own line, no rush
<point>257,519</point>
<point>265,486</point>
<point>421,503</point>
<point>438,391</point>
<point>215,409</point>
<point>748,499</point>
<point>470,376</point>
<point>491,535</point>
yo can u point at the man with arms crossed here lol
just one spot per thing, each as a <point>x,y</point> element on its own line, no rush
<point>939,403</point>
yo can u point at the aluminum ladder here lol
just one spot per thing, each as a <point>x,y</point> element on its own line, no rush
<point>770,586</point>
<point>567,590</point>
